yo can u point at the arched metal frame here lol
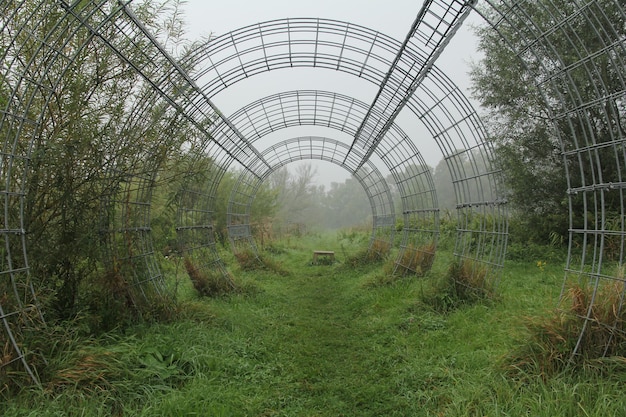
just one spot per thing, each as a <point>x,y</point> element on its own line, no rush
<point>397,151</point>
<point>318,148</point>
<point>437,102</point>
<point>166,84</point>
<point>584,83</point>
<point>175,96</point>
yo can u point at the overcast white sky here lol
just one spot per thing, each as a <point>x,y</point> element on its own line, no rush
<point>391,17</point>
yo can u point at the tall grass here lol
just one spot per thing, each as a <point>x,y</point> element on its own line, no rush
<point>208,283</point>
<point>417,260</point>
<point>579,334</point>
<point>249,260</point>
<point>320,342</point>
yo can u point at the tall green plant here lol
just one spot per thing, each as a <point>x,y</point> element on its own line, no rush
<point>528,143</point>
<point>86,143</point>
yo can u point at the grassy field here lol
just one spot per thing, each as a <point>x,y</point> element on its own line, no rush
<point>326,340</point>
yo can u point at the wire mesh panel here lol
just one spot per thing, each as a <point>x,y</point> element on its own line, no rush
<point>444,110</point>
<point>397,152</point>
<point>576,53</point>
<point>436,23</point>
<point>318,148</point>
<point>32,57</point>
<point>575,49</point>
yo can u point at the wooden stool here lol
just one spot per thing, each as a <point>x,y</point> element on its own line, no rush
<point>326,253</point>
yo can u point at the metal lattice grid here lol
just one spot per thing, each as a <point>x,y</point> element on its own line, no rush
<point>439,104</point>
<point>313,148</point>
<point>114,27</point>
<point>399,154</point>
<point>576,51</point>
<point>22,118</point>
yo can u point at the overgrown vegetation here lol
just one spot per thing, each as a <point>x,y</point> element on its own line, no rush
<point>323,340</point>
<point>528,144</point>
<point>551,339</point>
<point>209,283</point>
<point>250,260</point>
<point>417,260</point>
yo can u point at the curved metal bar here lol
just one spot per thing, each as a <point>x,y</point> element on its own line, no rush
<point>413,180</point>
<point>438,103</point>
<point>577,55</point>
<point>318,148</point>
<point>593,117</point>
<point>434,27</point>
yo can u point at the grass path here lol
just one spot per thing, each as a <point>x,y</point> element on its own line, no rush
<point>323,341</point>
<point>319,344</point>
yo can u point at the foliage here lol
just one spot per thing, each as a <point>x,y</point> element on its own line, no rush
<point>552,338</point>
<point>209,283</point>
<point>416,260</point>
<point>300,201</point>
<point>249,260</point>
<point>469,279</point>
<point>528,144</point>
<point>364,257</point>
<point>78,164</point>
<point>321,341</point>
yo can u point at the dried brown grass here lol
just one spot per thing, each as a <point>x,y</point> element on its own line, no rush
<point>208,283</point>
<point>584,331</point>
<point>416,260</point>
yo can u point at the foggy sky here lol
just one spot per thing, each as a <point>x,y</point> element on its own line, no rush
<point>391,17</point>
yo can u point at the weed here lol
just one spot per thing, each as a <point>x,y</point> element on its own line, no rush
<point>249,260</point>
<point>380,247</point>
<point>364,258</point>
<point>275,249</point>
<point>464,283</point>
<point>416,260</point>
<point>208,283</point>
<point>593,330</point>
<point>319,343</point>
<point>469,280</point>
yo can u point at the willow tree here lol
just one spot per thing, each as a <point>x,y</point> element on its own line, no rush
<point>85,143</point>
<point>528,144</point>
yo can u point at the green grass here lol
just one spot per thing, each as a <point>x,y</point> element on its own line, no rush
<point>323,341</point>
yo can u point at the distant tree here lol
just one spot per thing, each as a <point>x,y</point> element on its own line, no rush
<point>443,184</point>
<point>346,204</point>
<point>296,202</point>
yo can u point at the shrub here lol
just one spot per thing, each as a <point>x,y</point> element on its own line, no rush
<point>577,335</point>
<point>417,260</point>
<point>367,256</point>
<point>251,261</point>
<point>208,283</point>
<point>248,260</point>
<point>469,280</point>
<point>465,282</point>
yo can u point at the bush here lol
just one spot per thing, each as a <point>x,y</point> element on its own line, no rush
<point>249,260</point>
<point>465,282</point>
<point>365,257</point>
<point>208,283</point>
<point>591,331</point>
<point>416,260</point>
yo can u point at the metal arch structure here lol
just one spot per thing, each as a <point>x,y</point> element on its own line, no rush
<point>437,102</point>
<point>37,55</point>
<point>576,52</point>
<point>171,97</point>
<point>165,85</point>
<point>397,151</point>
<point>318,148</point>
